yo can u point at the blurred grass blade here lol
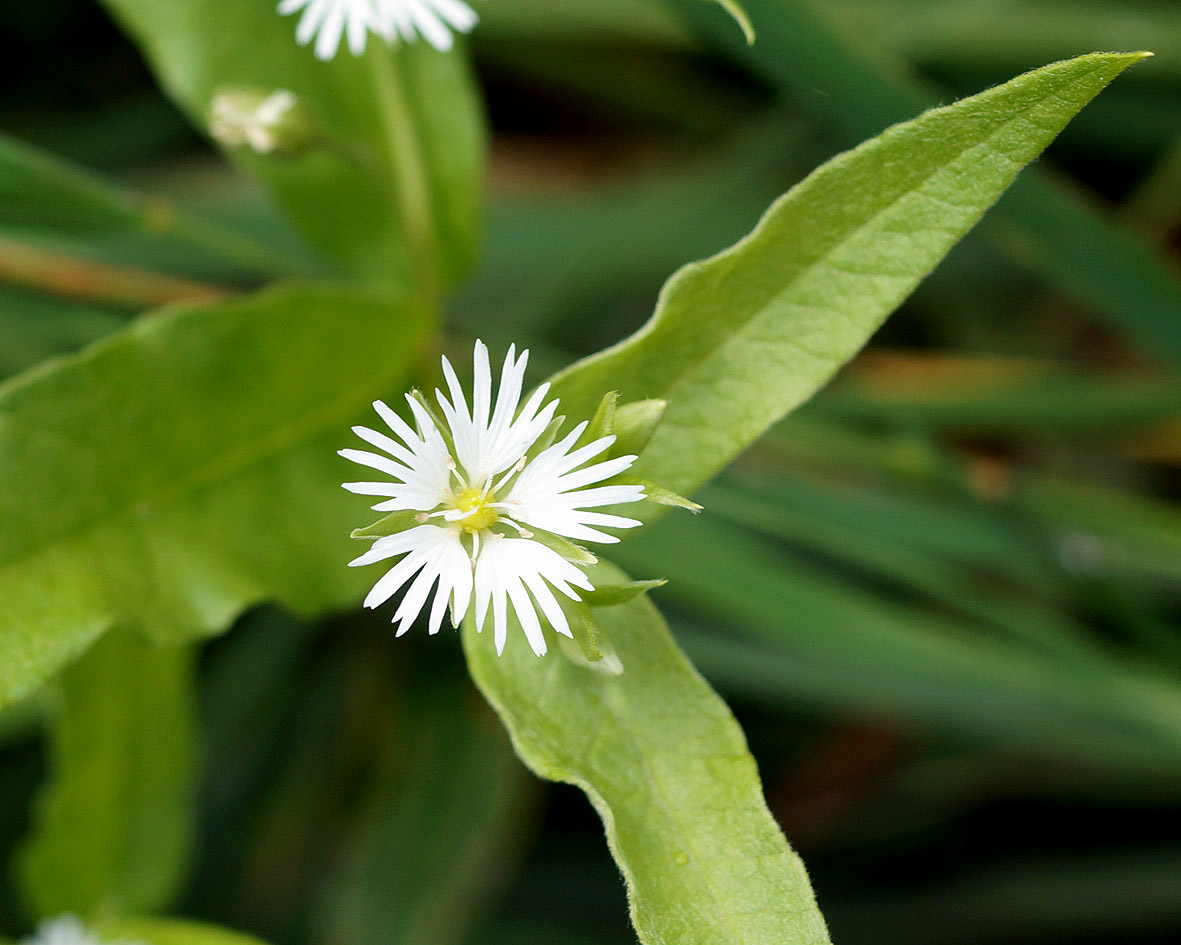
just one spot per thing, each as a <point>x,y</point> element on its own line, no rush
<point>40,191</point>
<point>668,770</point>
<point>1105,532</point>
<point>741,339</point>
<point>998,395</point>
<point>437,830</point>
<point>391,183</point>
<point>823,640</point>
<point>843,525</point>
<point>970,34</point>
<point>182,469</point>
<point>115,823</point>
<point>1047,227</point>
<point>36,327</point>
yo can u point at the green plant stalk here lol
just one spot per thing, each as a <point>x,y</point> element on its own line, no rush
<point>410,181</point>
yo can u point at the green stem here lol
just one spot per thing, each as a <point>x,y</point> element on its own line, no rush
<point>410,181</point>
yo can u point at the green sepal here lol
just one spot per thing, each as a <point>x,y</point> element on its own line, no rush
<point>634,425</point>
<point>548,435</point>
<point>573,553</point>
<point>584,629</point>
<point>603,422</point>
<point>443,428</point>
<point>390,525</point>
<point>587,646</point>
<point>658,494</point>
<point>611,595</point>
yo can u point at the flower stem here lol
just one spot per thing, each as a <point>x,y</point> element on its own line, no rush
<point>409,172</point>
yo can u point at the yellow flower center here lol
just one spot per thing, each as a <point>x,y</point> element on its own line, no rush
<point>474,504</point>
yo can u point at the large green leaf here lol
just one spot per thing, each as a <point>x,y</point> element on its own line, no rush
<point>392,184</point>
<point>740,339</point>
<point>668,770</point>
<point>115,824</point>
<point>178,471</point>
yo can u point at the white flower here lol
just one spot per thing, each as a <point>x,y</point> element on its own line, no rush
<point>330,20</point>
<point>482,495</point>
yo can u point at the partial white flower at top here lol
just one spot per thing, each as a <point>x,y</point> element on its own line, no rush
<point>328,21</point>
<point>486,496</point>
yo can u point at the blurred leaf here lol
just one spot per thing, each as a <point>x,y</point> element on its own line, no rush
<point>573,22</point>
<point>392,185</point>
<point>866,530</point>
<point>41,192</point>
<point>1118,894</point>
<point>436,831</point>
<point>998,395</point>
<point>546,256</point>
<point>1040,222</point>
<point>820,640</point>
<point>969,34</point>
<point>1108,532</point>
<point>157,931</point>
<point>115,822</point>
<point>741,339</point>
<point>35,327</point>
<point>668,770</point>
<point>176,472</point>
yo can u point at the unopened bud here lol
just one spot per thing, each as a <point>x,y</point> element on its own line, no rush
<point>269,122</point>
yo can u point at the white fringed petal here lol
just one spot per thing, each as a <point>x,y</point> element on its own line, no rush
<point>330,21</point>
<point>474,545</point>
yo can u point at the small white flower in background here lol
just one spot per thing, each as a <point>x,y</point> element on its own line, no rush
<point>328,21</point>
<point>485,504</point>
<point>263,120</point>
<point>63,930</point>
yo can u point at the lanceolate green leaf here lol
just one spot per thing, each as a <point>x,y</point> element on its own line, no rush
<point>392,185</point>
<point>667,768</point>
<point>115,823</point>
<point>178,471</point>
<point>741,339</point>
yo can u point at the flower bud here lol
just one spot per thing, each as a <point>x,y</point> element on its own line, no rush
<point>269,122</point>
